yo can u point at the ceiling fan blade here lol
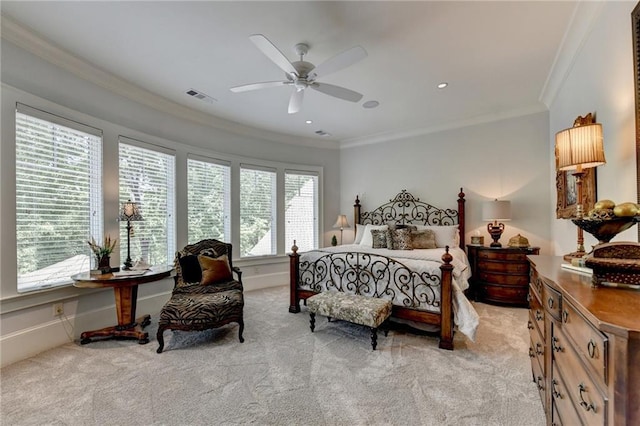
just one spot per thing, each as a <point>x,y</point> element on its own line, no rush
<point>255,86</point>
<point>273,53</point>
<point>338,62</point>
<point>295,102</point>
<point>337,91</point>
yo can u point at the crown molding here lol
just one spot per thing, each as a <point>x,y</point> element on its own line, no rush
<point>487,118</point>
<point>580,26</point>
<point>28,40</point>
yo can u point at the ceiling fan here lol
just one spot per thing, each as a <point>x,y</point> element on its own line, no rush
<point>301,74</point>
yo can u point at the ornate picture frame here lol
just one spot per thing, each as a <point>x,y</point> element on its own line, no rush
<point>567,193</point>
<point>635,32</point>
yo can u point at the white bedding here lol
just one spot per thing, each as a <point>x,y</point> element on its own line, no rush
<point>429,261</point>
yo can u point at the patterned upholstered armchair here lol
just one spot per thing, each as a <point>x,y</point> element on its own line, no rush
<point>205,294</point>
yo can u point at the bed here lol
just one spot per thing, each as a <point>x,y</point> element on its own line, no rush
<point>426,285</point>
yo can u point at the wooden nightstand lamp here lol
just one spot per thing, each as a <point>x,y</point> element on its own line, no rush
<point>500,274</point>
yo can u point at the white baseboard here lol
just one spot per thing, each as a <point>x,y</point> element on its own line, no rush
<point>31,341</point>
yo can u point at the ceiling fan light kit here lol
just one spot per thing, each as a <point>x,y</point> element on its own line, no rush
<point>302,74</point>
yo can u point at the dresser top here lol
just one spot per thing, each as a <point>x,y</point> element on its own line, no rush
<point>613,310</point>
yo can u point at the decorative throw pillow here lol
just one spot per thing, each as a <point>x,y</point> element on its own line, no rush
<point>400,239</point>
<point>446,235</point>
<point>190,267</point>
<point>394,225</point>
<point>379,238</point>
<point>367,239</point>
<point>359,233</point>
<point>424,239</point>
<point>214,270</point>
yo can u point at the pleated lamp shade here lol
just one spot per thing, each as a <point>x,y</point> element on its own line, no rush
<point>580,147</point>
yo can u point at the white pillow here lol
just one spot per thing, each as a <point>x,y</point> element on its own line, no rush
<point>445,235</point>
<point>367,238</point>
<point>359,233</point>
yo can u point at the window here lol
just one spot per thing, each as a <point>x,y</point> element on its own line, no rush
<point>257,211</point>
<point>209,200</point>
<point>58,197</point>
<point>147,176</point>
<point>301,209</point>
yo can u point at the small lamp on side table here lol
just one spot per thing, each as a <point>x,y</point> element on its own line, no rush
<point>341,223</point>
<point>494,211</point>
<point>578,148</point>
<point>130,213</point>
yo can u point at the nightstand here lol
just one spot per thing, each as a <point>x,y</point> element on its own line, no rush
<point>500,274</point>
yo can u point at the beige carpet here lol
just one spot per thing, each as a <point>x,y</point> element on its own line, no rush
<point>282,375</point>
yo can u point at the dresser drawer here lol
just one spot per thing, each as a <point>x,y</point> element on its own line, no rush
<point>538,379</point>
<point>551,301</point>
<point>590,403</point>
<point>536,282</point>
<point>520,268</point>
<point>536,348</point>
<point>590,344</point>
<point>497,278</point>
<point>536,311</point>
<point>502,255</point>
<point>563,411</point>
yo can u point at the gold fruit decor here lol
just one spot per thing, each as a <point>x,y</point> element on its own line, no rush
<point>608,219</point>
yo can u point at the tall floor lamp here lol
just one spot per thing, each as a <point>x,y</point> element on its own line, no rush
<point>130,213</point>
<point>341,223</point>
<point>578,148</point>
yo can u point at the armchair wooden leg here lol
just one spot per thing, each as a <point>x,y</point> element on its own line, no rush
<point>241,323</point>
<point>160,337</point>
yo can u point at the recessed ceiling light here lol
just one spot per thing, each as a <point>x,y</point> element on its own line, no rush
<point>370,104</point>
<point>308,121</point>
<point>443,85</point>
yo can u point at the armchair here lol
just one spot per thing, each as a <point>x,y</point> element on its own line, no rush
<point>205,294</point>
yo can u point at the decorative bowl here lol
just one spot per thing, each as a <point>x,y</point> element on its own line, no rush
<point>605,229</point>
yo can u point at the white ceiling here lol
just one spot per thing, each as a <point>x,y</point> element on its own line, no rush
<point>496,57</point>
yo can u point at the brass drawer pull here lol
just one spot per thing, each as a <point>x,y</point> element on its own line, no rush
<point>529,325</point>
<point>565,316</point>
<point>591,348</point>
<point>531,354</point>
<point>540,387</point>
<point>555,391</point>
<point>550,303</point>
<point>539,349</point>
<point>539,316</point>
<point>587,406</point>
<point>556,347</point>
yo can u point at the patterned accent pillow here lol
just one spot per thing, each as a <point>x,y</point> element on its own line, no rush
<point>379,238</point>
<point>394,226</point>
<point>190,268</point>
<point>425,239</point>
<point>214,270</point>
<point>400,239</point>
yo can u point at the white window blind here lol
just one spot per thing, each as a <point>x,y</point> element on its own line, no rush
<point>257,211</point>
<point>147,176</point>
<point>58,197</point>
<point>209,200</point>
<point>301,209</point>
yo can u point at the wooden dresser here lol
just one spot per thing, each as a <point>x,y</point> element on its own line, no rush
<point>584,348</point>
<point>500,274</point>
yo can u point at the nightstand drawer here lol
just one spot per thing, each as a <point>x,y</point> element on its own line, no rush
<point>591,345</point>
<point>505,279</point>
<point>503,294</point>
<point>521,268</point>
<point>500,254</point>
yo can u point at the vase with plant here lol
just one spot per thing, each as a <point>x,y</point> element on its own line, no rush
<point>103,252</point>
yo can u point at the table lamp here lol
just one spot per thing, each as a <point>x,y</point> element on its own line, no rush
<point>494,211</point>
<point>341,223</point>
<point>578,148</point>
<point>130,213</point>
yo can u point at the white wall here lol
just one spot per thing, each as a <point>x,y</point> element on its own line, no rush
<point>506,159</point>
<point>600,81</point>
<point>28,325</point>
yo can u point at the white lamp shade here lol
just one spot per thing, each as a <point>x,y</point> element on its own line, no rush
<point>580,147</point>
<point>496,210</point>
<point>341,222</point>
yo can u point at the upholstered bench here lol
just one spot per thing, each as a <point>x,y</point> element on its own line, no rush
<point>367,311</point>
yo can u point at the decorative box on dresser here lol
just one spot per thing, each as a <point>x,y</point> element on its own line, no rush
<point>500,274</point>
<point>584,347</point>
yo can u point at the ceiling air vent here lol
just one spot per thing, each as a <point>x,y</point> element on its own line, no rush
<point>202,96</point>
<point>322,133</point>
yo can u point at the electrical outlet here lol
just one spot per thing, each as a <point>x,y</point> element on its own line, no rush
<point>58,309</point>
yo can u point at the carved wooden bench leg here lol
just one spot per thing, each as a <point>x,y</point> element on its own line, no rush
<point>240,330</point>
<point>374,338</point>
<point>312,321</point>
<point>160,337</point>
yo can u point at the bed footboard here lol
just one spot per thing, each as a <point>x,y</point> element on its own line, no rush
<point>378,276</point>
